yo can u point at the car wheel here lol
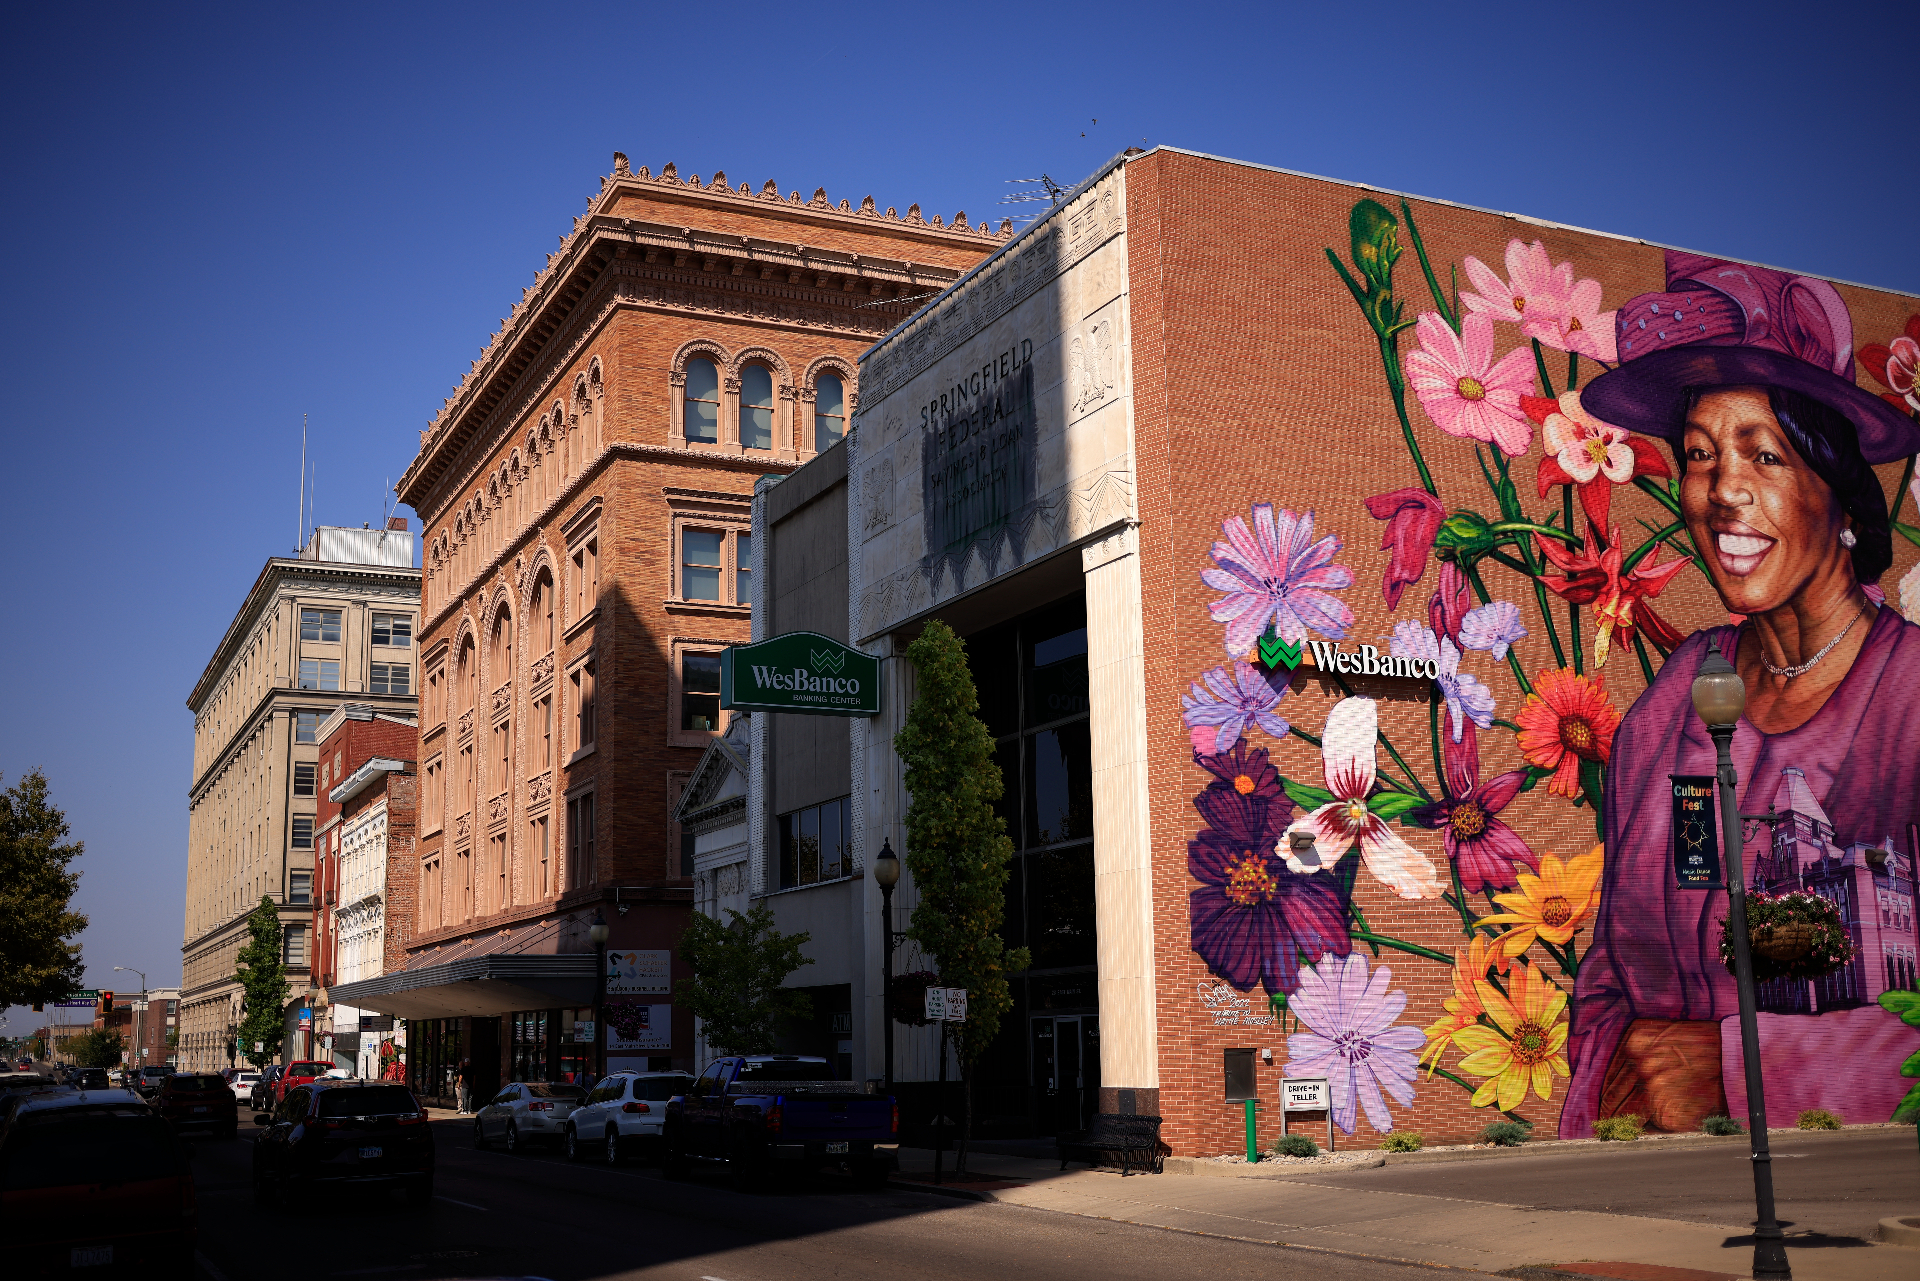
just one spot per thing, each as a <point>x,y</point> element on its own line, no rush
<point>613,1153</point>
<point>513,1138</point>
<point>572,1145</point>
<point>479,1135</point>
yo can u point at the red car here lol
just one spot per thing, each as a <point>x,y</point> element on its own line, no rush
<point>297,1075</point>
<point>198,1101</point>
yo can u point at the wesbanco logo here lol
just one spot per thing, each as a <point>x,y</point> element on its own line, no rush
<point>802,681</point>
<point>1369,661</point>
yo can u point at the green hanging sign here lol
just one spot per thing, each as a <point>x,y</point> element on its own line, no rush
<point>801,672</point>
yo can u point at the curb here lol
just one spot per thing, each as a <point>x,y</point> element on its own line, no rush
<point>1901,1230</point>
<point>941,1189</point>
<point>1270,1170</point>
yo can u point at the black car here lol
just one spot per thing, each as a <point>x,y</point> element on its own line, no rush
<point>90,1079</point>
<point>262,1097</point>
<point>343,1132</point>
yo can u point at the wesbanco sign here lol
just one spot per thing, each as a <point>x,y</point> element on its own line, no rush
<point>800,672</point>
<point>1328,656</point>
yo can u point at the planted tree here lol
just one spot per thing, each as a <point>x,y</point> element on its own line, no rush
<point>39,959</point>
<point>957,848</point>
<point>739,967</point>
<point>263,987</point>
<point>98,1048</point>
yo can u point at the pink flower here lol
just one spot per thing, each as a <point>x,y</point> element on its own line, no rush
<point>1462,388</point>
<point>1593,455</point>
<point>1347,754</point>
<point>1447,611</point>
<point>1896,366</point>
<point>1578,325</point>
<point>1413,516</point>
<point>1534,285</point>
<point>1277,572</point>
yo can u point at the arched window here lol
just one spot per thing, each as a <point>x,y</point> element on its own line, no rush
<point>469,676</point>
<point>829,411</point>
<point>543,614</point>
<point>756,407</point>
<point>703,402</point>
<point>501,652</point>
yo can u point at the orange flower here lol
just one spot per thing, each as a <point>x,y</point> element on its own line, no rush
<point>1552,905</point>
<point>1463,1007</point>
<point>1566,720</point>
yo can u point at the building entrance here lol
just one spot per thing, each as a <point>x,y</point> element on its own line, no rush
<point>1066,1071</point>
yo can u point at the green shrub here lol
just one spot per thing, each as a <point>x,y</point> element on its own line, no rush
<point>1817,1119</point>
<point>1296,1145</point>
<point>1619,1129</point>
<point>1722,1125</point>
<point>1507,1134</point>
<point>1401,1141</point>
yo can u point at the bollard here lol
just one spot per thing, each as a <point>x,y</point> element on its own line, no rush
<point>1253,1141</point>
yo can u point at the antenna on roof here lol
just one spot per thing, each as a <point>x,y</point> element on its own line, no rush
<point>1050,191</point>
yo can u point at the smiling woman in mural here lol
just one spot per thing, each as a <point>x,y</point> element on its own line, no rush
<point>1748,374</point>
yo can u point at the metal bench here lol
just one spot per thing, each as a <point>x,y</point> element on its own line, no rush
<point>1115,1139</point>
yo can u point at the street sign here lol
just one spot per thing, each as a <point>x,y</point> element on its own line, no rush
<point>643,973</point>
<point>1696,840</point>
<point>1305,1094</point>
<point>802,672</point>
<point>946,1005</point>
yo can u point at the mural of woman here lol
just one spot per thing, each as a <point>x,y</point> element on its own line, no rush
<point>1748,374</point>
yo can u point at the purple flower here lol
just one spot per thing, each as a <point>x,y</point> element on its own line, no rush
<point>1467,699</point>
<point>1413,517</point>
<point>1352,1040</point>
<point>1492,627</point>
<point>1275,572</point>
<point>1484,850</point>
<point>1245,770</point>
<point>1252,921</point>
<point>1217,711</point>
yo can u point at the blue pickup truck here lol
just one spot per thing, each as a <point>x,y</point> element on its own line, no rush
<point>759,1111</point>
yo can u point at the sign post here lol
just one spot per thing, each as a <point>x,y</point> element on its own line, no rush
<point>1696,843</point>
<point>802,672</point>
<point>1306,1094</point>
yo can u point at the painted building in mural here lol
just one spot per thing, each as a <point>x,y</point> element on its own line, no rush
<point>1334,568</point>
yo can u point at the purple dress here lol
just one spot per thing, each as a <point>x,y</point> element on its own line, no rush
<point>1655,950</point>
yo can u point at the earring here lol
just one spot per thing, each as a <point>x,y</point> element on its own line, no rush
<point>1847,539</point>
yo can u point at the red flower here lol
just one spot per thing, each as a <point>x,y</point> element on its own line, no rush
<point>1584,452</point>
<point>1897,367</point>
<point>1413,517</point>
<point>1566,720</point>
<point>1450,602</point>
<point>1618,599</point>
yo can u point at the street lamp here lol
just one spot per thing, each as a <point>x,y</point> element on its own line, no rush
<point>598,933</point>
<point>886,874</point>
<point>1720,697</point>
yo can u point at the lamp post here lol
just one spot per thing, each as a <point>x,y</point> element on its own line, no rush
<point>1719,698</point>
<point>598,933</point>
<point>886,874</point>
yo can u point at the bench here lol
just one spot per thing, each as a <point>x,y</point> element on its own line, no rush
<point>1115,1139</point>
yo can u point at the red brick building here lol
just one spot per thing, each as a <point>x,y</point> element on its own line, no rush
<point>585,495</point>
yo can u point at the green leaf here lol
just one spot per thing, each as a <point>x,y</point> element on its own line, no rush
<point>1912,1066</point>
<point>1907,532</point>
<point>1307,798</point>
<point>1389,805</point>
<point>1909,1110</point>
<point>1905,1004</point>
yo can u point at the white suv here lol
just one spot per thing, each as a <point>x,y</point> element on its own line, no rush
<point>623,1114</point>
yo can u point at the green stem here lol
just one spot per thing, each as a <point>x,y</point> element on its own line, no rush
<point>1297,732</point>
<point>1448,312</point>
<point>1526,526</point>
<point>1396,384</point>
<point>1433,729</point>
<point>1645,549</point>
<point>1460,900</point>
<point>1540,367</point>
<point>1370,938</point>
<point>1573,370</point>
<point>1573,610</point>
<point>1640,651</point>
<point>1407,769</point>
<point>1647,485</point>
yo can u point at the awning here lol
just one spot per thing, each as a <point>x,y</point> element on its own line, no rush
<point>497,983</point>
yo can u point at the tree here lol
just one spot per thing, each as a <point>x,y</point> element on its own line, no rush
<point>957,847</point>
<point>98,1048</point>
<point>263,986</point>
<point>39,961</point>
<point>738,969</point>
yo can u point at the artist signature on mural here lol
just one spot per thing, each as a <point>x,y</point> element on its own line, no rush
<point>1230,1007</point>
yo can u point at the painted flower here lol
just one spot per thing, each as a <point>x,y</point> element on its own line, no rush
<point>1896,366</point>
<point>1553,905</point>
<point>1352,1041</point>
<point>1492,627</point>
<point>1577,324</point>
<point>1464,390</point>
<point>1254,922</point>
<point>1447,610</point>
<point>1218,706</point>
<point>1529,1049</point>
<point>1618,599</point>
<point>1413,517</point>
<point>1589,454</point>
<point>1485,851</point>
<point>1463,1008</point>
<point>1534,286</point>
<point>1567,719</point>
<point>1243,769</point>
<point>1467,699</point>
<point>1347,748</point>
<point>1276,573</point>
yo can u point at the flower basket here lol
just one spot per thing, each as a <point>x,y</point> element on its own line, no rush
<point>910,997</point>
<point>1792,936</point>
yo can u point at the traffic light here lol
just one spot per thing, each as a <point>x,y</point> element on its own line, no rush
<point>106,1002</point>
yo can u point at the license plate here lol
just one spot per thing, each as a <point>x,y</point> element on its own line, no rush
<point>201,1108</point>
<point>90,1256</point>
<point>371,1154</point>
<point>836,1149</point>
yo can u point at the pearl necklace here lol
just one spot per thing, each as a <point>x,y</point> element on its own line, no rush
<point>1804,668</point>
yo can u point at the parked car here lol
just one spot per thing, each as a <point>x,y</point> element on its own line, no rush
<point>198,1101</point>
<point>91,1079</point>
<point>755,1111</point>
<point>338,1132</point>
<point>527,1112</point>
<point>264,1099</point>
<point>623,1115</point>
<point>241,1083</point>
<point>92,1184</point>
<point>299,1073</point>
<point>148,1080</point>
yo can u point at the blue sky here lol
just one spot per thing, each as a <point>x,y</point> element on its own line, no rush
<point>216,220</point>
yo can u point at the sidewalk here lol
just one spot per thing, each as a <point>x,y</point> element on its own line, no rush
<point>1334,1212</point>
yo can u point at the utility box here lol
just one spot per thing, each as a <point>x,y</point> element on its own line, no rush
<point>1240,1078</point>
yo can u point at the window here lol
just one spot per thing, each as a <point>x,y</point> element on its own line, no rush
<point>502,756</point>
<point>756,407</point>
<point>389,678</point>
<point>543,729</point>
<point>583,712</point>
<point>320,673</point>
<point>320,625</point>
<point>586,578</point>
<point>296,945</point>
<point>543,614</point>
<point>700,691</point>
<point>829,412</point>
<point>497,864</point>
<point>299,887</point>
<point>433,708</point>
<point>743,569</point>
<point>813,844</point>
<point>303,831</point>
<point>306,727</point>
<point>469,675</point>
<point>579,840</point>
<point>539,852</point>
<point>500,650</point>
<point>703,402</point>
<point>303,778</point>
<point>700,564</point>
<point>393,629</point>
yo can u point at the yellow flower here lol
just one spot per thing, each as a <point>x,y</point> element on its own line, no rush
<point>1533,1018</point>
<point>1463,1007</point>
<point>1551,905</point>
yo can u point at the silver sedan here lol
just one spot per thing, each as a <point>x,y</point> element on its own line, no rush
<point>526,1112</point>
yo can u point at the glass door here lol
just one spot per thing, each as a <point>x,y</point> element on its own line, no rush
<point>1066,1071</point>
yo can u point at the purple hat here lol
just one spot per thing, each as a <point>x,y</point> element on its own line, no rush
<point>1729,324</point>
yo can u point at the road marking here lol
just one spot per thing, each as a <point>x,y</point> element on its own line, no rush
<point>206,1266</point>
<point>465,1204</point>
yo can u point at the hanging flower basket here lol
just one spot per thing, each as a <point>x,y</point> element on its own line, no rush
<point>910,997</point>
<point>1792,936</point>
